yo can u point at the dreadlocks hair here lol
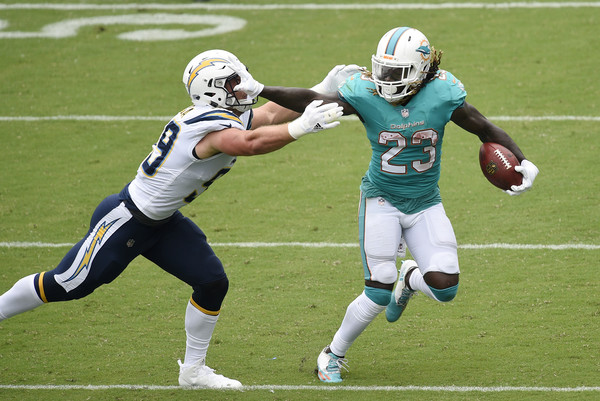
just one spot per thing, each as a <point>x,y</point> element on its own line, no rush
<point>434,66</point>
<point>369,75</point>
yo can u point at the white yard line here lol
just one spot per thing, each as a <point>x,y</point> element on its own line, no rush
<point>267,7</point>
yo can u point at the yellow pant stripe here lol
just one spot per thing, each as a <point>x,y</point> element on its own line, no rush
<point>41,285</point>
<point>205,311</point>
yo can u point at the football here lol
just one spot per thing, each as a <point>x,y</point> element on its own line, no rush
<point>498,165</point>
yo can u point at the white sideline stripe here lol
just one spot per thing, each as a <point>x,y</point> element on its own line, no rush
<point>350,118</point>
<point>455,389</point>
<point>325,245</point>
<point>266,7</point>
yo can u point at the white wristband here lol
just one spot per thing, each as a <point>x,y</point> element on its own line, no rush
<point>295,129</point>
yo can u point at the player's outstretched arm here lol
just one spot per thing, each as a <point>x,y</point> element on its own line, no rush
<point>272,113</point>
<point>296,99</point>
<point>235,142</point>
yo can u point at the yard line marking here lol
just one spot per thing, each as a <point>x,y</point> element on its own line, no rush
<point>349,118</point>
<point>454,389</point>
<point>267,7</point>
<point>216,24</point>
<point>529,246</point>
<point>557,247</point>
<point>84,118</point>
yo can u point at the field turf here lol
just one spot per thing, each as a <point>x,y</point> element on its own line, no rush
<point>79,113</point>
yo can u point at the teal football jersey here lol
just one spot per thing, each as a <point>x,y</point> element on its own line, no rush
<point>406,141</point>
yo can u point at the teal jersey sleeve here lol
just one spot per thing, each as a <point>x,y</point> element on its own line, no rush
<point>406,141</point>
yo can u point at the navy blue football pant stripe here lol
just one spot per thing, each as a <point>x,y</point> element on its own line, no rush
<point>179,247</point>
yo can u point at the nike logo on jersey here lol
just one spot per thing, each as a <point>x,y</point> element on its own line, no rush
<point>226,125</point>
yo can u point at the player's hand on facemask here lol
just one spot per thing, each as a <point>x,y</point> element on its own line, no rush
<point>529,172</point>
<point>336,78</point>
<point>316,117</point>
<point>248,84</point>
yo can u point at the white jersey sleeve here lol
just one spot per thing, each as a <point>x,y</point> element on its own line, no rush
<point>171,176</point>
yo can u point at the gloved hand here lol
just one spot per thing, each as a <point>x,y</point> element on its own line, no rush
<point>316,117</point>
<point>335,78</point>
<point>248,84</point>
<point>529,172</point>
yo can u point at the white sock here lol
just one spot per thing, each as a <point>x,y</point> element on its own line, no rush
<point>199,328</point>
<point>417,282</point>
<point>20,298</point>
<point>359,314</point>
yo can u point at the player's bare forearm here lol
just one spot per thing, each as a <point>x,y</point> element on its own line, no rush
<point>496,134</point>
<point>293,98</point>
<point>272,113</point>
<point>470,119</point>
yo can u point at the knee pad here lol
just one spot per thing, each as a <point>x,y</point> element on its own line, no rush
<point>210,296</point>
<point>445,294</point>
<point>378,295</point>
<point>383,271</point>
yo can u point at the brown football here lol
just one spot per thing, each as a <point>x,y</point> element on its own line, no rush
<point>498,165</point>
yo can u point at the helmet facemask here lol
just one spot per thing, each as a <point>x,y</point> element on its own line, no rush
<point>231,100</point>
<point>395,81</point>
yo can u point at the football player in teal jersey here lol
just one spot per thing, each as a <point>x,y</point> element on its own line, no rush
<point>404,103</point>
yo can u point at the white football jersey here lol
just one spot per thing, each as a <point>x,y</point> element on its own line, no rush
<point>171,176</point>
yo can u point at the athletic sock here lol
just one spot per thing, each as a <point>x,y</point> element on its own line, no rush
<point>22,297</point>
<point>359,314</point>
<point>199,328</point>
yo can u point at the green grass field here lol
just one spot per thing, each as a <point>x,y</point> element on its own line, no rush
<point>526,322</point>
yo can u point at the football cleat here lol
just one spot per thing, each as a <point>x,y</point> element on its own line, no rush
<point>329,366</point>
<point>402,294</point>
<point>201,376</point>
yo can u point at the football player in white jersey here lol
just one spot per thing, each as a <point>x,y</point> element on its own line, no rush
<point>404,104</point>
<point>199,145</point>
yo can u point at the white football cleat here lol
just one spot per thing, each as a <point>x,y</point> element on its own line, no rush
<point>402,294</point>
<point>200,375</point>
<point>329,366</point>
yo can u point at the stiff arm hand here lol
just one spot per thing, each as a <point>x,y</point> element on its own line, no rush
<point>336,78</point>
<point>247,84</point>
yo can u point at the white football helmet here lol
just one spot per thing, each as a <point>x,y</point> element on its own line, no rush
<point>209,79</point>
<point>401,63</point>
